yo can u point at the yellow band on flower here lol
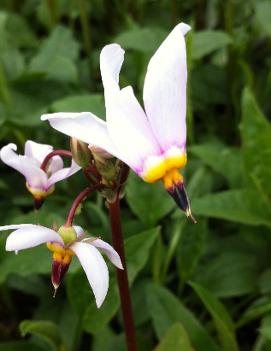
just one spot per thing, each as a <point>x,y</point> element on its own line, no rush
<point>40,194</point>
<point>163,168</point>
<point>57,249</point>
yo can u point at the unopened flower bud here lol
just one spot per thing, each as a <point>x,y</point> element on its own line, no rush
<point>68,234</point>
<point>105,164</point>
<point>80,152</point>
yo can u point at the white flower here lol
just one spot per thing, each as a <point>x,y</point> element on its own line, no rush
<point>151,141</point>
<point>39,182</point>
<point>86,249</point>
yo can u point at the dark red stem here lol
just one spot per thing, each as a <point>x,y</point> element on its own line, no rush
<point>64,153</point>
<point>77,201</point>
<point>126,304</point>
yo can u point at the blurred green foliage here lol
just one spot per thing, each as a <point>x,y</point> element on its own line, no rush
<point>204,287</point>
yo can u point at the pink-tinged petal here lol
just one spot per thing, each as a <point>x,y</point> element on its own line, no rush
<point>36,150</point>
<point>79,231</point>
<point>165,90</point>
<point>63,173</point>
<point>27,236</point>
<point>95,269</point>
<point>56,163</point>
<point>83,126</point>
<point>109,251</point>
<point>127,123</point>
<point>35,177</point>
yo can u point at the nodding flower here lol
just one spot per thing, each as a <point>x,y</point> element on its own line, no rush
<point>151,141</point>
<point>64,244</point>
<point>40,183</point>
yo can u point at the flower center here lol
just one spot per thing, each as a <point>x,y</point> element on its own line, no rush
<point>172,178</point>
<point>40,194</point>
<point>60,253</point>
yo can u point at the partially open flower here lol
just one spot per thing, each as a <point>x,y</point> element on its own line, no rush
<point>39,182</point>
<point>151,141</point>
<point>64,244</point>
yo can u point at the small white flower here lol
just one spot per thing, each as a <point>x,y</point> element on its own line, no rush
<point>40,183</point>
<point>86,249</point>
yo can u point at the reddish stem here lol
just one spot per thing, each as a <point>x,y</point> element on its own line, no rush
<point>64,153</point>
<point>126,304</point>
<point>77,201</point>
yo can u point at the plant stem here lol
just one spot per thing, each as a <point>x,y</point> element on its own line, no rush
<point>125,298</point>
<point>78,200</point>
<point>64,153</point>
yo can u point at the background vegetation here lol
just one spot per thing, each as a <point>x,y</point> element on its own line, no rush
<point>204,287</point>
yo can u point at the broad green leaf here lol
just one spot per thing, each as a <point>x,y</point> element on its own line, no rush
<point>25,263</point>
<point>229,274</point>
<point>150,202</point>
<point>223,159</point>
<point>206,41</point>
<point>47,331</point>
<point>191,247</point>
<point>263,15</point>
<point>244,206</point>
<point>137,248</point>
<point>256,310</point>
<point>132,39</point>
<point>256,142</point>
<point>166,309</point>
<point>81,103</point>
<point>175,339</point>
<point>221,318</point>
<point>57,55</point>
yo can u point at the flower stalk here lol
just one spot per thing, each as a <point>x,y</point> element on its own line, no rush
<point>47,159</point>
<point>122,277</point>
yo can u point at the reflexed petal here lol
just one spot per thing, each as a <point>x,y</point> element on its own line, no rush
<point>95,269</point>
<point>127,123</point>
<point>35,177</point>
<point>63,173</point>
<point>56,163</point>
<point>29,235</point>
<point>165,90</point>
<point>79,231</point>
<point>129,129</point>
<point>83,126</point>
<point>109,251</point>
<point>36,150</point>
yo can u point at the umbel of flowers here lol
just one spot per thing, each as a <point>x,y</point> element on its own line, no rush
<point>150,141</point>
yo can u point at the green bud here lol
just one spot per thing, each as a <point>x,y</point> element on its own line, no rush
<point>68,234</point>
<point>80,152</point>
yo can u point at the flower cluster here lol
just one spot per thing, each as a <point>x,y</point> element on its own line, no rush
<point>151,141</point>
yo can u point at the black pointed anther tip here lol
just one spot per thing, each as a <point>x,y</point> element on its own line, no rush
<point>38,203</point>
<point>180,196</point>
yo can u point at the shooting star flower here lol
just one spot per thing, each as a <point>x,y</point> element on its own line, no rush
<point>151,141</point>
<point>39,182</point>
<point>64,244</point>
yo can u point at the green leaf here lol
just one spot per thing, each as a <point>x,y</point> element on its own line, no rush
<point>263,15</point>
<point>256,310</point>
<point>137,249</point>
<point>132,39</point>
<point>149,202</point>
<point>206,41</point>
<point>229,274</point>
<point>166,309</point>
<point>81,103</point>
<point>244,206</point>
<point>256,142</point>
<point>22,345</point>
<point>229,163</point>
<point>175,339</point>
<point>221,318</point>
<point>45,330</point>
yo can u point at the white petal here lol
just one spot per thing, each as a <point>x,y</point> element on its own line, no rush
<point>35,177</point>
<point>109,251</point>
<point>83,126</point>
<point>29,236</point>
<point>55,164</point>
<point>79,231</point>
<point>127,123</point>
<point>95,269</point>
<point>64,173</point>
<point>165,90</point>
<point>36,150</point>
